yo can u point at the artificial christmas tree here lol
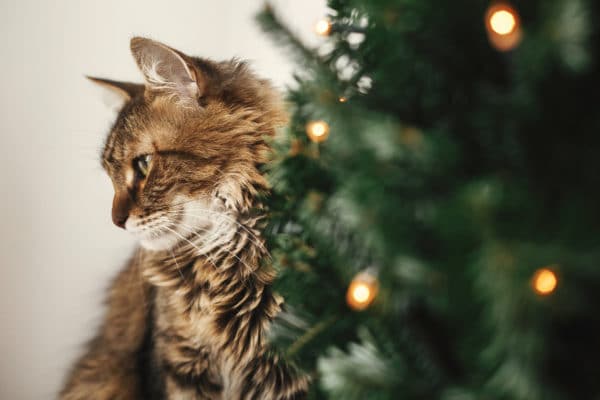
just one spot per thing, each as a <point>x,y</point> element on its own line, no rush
<point>434,216</point>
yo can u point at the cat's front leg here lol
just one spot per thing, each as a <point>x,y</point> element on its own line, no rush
<point>269,378</point>
<point>100,375</point>
<point>109,369</point>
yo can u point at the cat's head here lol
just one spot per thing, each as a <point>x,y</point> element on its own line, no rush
<point>185,150</point>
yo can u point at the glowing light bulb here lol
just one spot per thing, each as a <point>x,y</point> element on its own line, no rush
<point>362,291</point>
<point>323,27</point>
<point>544,281</point>
<point>317,131</point>
<point>503,26</point>
<point>342,99</point>
<point>503,22</point>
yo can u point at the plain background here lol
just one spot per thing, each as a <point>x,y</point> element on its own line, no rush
<point>58,247</point>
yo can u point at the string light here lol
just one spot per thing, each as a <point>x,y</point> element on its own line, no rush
<point>342,99</point>
<point>362,291</point>
<point>544,281</point>
<point>323,27</point>
<point>503,22</point>
<point>503,26</point>
<point>317,131</point>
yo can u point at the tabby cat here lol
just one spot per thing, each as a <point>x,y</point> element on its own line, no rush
<point>188,316</point>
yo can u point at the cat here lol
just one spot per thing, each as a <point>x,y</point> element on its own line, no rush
<point>188,316</point>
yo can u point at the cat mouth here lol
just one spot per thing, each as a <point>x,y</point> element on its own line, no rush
<point>187,224</point>
<point>154,233</point>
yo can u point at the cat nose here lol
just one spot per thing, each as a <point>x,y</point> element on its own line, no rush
<point>120,220</point>
<point>120,209</point>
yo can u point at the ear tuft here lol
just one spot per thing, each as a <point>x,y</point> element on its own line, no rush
<point>166,69</point>
<point>118,92</point>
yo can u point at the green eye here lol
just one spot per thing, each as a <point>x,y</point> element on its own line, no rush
<point>142,165</point>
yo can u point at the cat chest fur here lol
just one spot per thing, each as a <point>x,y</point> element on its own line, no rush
<point>206,330</point>
<point>184,347</point>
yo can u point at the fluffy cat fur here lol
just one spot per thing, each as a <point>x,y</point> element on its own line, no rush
<point>188,315</point>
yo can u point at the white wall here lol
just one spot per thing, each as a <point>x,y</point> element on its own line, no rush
<point>58,248</point>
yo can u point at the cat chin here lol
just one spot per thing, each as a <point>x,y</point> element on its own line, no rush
<point>161,243</point>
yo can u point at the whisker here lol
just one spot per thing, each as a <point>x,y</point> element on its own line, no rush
<point>181,236</point>
<point>212,242</point>
<point>187,240</point>
<point>176,264</point>
<point>216,232</point>
<point>222,248</point>
<point>260,245</point>
<point>256,239</point>
<point>191,302</point>
<point>209,238</point>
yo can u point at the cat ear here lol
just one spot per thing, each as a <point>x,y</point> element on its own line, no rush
<point>167,69</point>
<point>117,92</point>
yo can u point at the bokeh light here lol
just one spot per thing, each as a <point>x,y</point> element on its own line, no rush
<point>544,281</point>
<point>323,27</point>
<point>317,131</point>
<point>362,291</point>
<point>503,26</point>
<point>503,22</point>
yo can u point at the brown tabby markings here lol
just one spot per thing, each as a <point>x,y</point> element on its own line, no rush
<point>189,321</point>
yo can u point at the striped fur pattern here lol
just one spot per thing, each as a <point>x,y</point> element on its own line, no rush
<point>187,318</point>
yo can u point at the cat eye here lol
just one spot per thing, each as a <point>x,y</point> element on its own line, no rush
<point>141,165</point>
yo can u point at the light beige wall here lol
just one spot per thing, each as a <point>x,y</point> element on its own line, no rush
<point>58,248</point>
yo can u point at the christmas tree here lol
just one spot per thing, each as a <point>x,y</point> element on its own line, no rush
<point>434,216</point>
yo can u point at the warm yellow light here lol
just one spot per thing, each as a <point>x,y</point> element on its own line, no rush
<point>544,281</point>
<point>317,131</point>
<point>323,27</point>
<point>503,26</point>
<point>362,291</point>
<point>503,22</point>
<point>342,99</point>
